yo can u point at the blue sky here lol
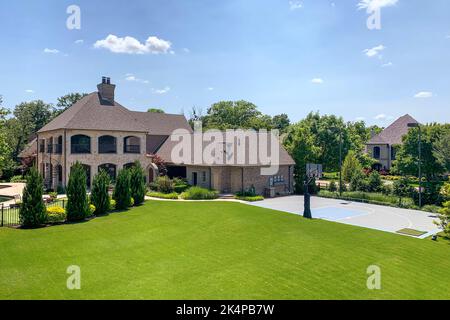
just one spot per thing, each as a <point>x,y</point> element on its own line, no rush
<point>285,56</point>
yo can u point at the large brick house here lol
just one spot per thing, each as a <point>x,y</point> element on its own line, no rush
<point>383,146</point>
<point>102,134</point>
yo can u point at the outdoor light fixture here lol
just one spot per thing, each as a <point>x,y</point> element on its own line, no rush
<point>417,125</point>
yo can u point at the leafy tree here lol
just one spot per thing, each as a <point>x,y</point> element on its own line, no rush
<point>122,191</point>
<point>445,190</point>
<point>402,189</point>
<point>351,166</point>
<point>99,193</point>
<point>66,102</point>
<point>5,149</point>
<point>32,210</point>
<point>155,110</point>
<point>407,162</point>
<point>332,187</point>
<point>77,204</point>
<point>137,183</point>
<point>281,122</point>
<point>358,181</point>
<point>444,219</point>
<point>375,182</point>
<point>441,150</point>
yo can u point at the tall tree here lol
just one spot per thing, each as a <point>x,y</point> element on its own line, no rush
<point>281,122</point>
<point>441,150</point>
<point>67,101</point>
<point>32,211</point>
<point>99,195</point>
<point>407,162</point>
<point>5,149</point>
<point>77,204</point>
<point>137,183</point>
<point>122,191</point>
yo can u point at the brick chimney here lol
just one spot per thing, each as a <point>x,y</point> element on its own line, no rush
<point>106,91</point>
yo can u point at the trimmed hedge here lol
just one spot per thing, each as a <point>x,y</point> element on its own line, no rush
<point>197,193</point>
<point>250,199</point>
<point>160,195</point>
<point>56,215</point>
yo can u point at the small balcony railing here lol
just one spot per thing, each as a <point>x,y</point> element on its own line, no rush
<point>80,148</point>
<point>107,148</point>
<point>132,148</point>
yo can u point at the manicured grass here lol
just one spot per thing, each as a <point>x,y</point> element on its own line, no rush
<point>217,250</point>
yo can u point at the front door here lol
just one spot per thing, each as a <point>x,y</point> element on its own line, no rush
<point>194,178</point>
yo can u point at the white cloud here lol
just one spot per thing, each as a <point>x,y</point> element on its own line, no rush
<point>294,5</point>
<point>374,51</point>
<point>383,116</point>
<point>210,89</point>
<point>53,51</point>
<point>373,5</point>
<point>29,91</point>
<point>131,45</point>
<point>424,95</point>
<point>161,91</point>
<point>81,41</point>
<point>317,80</point>
<point>133,78</point>
<point>389,64</point>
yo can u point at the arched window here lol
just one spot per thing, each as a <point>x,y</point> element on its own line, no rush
<point>376,152</point>
<point>80,144</point>
<point>110,169</point>
<point>107,144</point>
<point>132,145</point>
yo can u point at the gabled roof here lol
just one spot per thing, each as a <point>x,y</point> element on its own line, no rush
<point>393,134</point>
<point>166,150</point>
<point>92,113</point>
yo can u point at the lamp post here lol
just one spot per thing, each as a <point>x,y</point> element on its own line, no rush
<point>417,125</point>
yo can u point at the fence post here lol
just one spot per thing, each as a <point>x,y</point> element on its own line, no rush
<point>2,214</point>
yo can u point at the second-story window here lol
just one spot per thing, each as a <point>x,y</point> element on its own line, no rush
<point>377,152</point>
<point>57,148</point>
<point>107,144</point>
<point>80,144</point>
<point>132,145</point>
<point>41,145</point>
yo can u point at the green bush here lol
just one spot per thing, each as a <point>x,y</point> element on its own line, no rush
<point>122,191</point>
<point>18,179</point>
<point>91,210</point>
<point>197,193</point>
<point>77,205</point>
<point>332,187</point>
<point>250,192</point>
<point>32,210</point>
<point>180,188</point>
<point>112,204</point>
<point>56,215</point>
<point>99,193</point>
<point>131,202</point>
<point>250,199</point>
<point>170,196</point>
<point>350,166</point>
<point>431,208</point>
<point>374,182</point>
<point>137,183</point>
<point>164,184</point>
<point>444,219</point>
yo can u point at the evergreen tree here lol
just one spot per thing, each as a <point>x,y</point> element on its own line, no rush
<point>77,205</point>
<point>122,191</point>
<point>32,211</point>
<point>99,194</point>
<point>137,183</point>
<point>351,166</point>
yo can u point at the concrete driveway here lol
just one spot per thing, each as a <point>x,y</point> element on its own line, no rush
<point>358,214</point>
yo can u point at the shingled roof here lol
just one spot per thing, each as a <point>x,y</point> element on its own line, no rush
<point>393,134</point>
<point>91,113</point>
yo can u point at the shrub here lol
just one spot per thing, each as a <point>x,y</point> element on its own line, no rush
<point>122,192</point>
<point>180,188</point>
<point>56,215</point>
<point>431,194</point>
<point>60,190</point>
<point>164,184</point>
<point>387,189</point>
<point>92,210</point>
<point>131,202</point>
<point>250,199</point>
<point>350,166</point>
<point>112,204</point>
<point>444,219</point>
<point>137,183</point>
<point>77,205</point>
<point>170,196</point>
<point>401,188</point>
<point>332,187</point>
<point>358,182</point>
<point>32,210</point>
<point>18,179</point>
<point>53,195</point>
<point>99,195</point>
<point>197,193</point>
<point>431,208</point>
<point>374,182</point>
<point>250,192</point>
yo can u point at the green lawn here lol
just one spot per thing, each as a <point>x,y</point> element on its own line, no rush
<point>217,250</point>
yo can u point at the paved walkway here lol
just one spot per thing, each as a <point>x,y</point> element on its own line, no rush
<point>358,214</point>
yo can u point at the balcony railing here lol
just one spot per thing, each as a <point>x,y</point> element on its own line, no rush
<point>132,148</point>
<point>80,148</point>
<point>107,148</point>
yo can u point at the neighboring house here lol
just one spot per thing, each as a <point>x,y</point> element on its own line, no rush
<point>102,134</point>
<point>383,146</point>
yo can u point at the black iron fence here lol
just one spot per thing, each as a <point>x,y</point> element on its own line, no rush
<point>9,214</point>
